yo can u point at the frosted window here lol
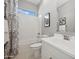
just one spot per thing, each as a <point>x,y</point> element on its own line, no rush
<point>27,12</point>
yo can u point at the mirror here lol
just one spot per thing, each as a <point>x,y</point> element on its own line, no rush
<point>66,17</point>
<point>47,20</point>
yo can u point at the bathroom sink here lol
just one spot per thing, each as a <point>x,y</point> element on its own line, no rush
<point>67,46</point>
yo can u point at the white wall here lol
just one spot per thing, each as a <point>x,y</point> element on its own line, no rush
<point>49,6</point>
<point>28,29</point>
<point>68,10</point>
<point>28,25</point>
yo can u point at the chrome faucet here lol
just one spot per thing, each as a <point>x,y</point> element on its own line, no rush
<point>66,37</point>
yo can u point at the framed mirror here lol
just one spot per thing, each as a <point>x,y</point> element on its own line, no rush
<point>62,24</point>
<point>47,20</point>
<point>62,21</point>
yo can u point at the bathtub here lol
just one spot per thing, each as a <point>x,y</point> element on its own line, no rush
<point>58,48</point>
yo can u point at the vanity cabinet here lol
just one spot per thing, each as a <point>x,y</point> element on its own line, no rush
<point>51,52</point>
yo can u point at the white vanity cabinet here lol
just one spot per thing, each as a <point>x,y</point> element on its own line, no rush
<point>51,52</point>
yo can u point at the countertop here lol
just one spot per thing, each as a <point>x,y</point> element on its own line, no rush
<point>67,46</point>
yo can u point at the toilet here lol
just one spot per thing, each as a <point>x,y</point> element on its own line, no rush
<point>36,48</point>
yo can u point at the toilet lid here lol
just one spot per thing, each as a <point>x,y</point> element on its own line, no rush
<point>36,45</point>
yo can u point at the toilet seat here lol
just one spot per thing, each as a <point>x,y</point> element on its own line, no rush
<point>35,45</point>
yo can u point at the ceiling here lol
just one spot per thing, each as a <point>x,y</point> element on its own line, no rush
<point>35,2</point>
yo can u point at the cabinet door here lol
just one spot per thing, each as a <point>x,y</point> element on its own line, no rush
<point>50,52</point>
<point>47,52</point>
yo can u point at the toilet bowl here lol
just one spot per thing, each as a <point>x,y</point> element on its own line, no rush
<point>36,48</point>
<point>35,45</point>
<point>43,36</point>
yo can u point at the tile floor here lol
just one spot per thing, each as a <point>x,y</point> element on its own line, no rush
<point>25,52</point>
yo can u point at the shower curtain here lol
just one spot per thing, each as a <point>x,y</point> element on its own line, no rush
<point>13,28</point>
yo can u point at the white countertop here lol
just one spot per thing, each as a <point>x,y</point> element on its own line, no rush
<point>67,46</point>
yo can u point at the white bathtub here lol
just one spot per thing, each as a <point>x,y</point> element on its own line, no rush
<point>58,48</point>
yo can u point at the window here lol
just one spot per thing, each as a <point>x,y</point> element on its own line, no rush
<point>27,12</point>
